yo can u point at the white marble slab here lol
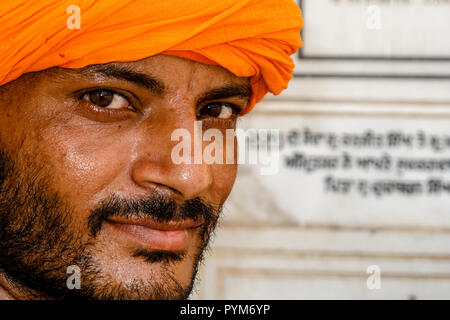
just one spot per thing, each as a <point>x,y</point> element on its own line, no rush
<point>393,28</point>
<point>351,165</point>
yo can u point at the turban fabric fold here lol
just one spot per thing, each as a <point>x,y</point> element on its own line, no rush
<point>250,38</point>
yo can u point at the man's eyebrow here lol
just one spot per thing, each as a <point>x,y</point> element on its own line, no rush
<point>126,74</point>
<point>228,91</point>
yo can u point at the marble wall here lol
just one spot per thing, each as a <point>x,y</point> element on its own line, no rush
<point>359,206</point>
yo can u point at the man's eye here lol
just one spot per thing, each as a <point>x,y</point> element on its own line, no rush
<point>219,110</point>
<point>107,98</point>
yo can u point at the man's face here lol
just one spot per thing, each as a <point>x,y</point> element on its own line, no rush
<point>87,177</point>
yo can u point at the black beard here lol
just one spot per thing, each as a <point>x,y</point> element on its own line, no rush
<point>37,245</point>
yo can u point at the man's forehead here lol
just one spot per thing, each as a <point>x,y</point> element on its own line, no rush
<point>157,73</point>
<point>162,65</point>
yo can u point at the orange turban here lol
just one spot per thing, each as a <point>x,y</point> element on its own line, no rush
<point>250,38</point>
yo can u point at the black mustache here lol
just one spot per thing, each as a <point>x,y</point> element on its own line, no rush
<point>158,207</point>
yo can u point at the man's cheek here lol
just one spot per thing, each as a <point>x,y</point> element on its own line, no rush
<point>83,169</point>
<point>224,177</point>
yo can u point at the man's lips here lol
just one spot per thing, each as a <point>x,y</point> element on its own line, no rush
<point>171,236</point>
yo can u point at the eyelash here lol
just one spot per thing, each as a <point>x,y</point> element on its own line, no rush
<point>236,108</point>
<point>104,110</point>
<point>114,112</point>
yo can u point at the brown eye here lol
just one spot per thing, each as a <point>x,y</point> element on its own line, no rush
<point>107,98</point>
<point>219,110</point>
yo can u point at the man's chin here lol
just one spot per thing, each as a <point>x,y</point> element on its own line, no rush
<point>133,278</point>
<point>133,272</point>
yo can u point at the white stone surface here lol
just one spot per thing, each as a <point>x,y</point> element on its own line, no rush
<point>303,195</point>
<point>376,28</point>
<point>285,236</point>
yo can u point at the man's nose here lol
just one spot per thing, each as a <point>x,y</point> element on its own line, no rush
<point>155,170</point>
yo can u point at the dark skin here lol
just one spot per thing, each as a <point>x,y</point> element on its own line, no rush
<point>106,130</point>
